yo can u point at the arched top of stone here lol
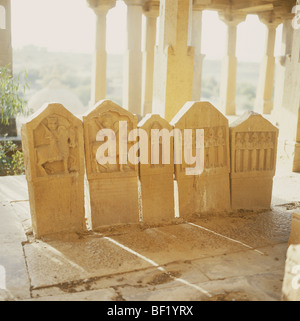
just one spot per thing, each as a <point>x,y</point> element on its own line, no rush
<point>150,119</point>
<point>48,110</point>
<point>105,106</point>
<point>251,121</point>
<point>198,115</point>
<point>52,142</point>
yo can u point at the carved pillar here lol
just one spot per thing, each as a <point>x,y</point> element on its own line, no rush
<point>264,96</point>
<point>285,54</point>
<point>151,11</point>
<point>174,60</point>
<point>287,94</point>
<point>132,85</point>
<point>229,64</point>
<point>101,8</point>
<point>198,56</point>
<point>5,34</point>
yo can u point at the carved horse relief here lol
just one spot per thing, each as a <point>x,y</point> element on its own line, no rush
<point>58,140</point>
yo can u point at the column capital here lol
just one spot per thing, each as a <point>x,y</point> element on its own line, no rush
<point>134,2</point>
<point>232,19</point>
<point>199,5</point>
<point>101,6</point>
<point>269,20</point>
<point>151,8</point>
<point>287,16</point>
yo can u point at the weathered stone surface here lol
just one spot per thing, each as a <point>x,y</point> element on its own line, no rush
<point>291,281</point>
<point>157,179</point>
<point>113,187</point>
<point>209,191</point>
<point>174,60</point>
<point>253,161</point>
<point>52,142</point>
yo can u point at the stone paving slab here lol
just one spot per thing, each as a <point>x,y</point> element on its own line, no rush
<point>93,268</point>
<point>57,262</point>
<point>96,295</point>
<point>176,242</point>
<point>253,229</point>
<point>13,188</point>
<point>15,283</point>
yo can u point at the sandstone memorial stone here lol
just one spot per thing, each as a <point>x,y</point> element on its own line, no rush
<point>52,142</point>
<point>113,187</point>
<point>157,187</point>
<point>253,161</point>
<point>209,191</point>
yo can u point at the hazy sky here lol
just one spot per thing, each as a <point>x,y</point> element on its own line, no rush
<point>69,25</point>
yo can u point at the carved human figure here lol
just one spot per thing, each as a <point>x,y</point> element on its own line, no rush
<point>238,152</point>
<point>254,146</point>
<point>261,159</point>
<point>246,148</point>
<point>106,121</point>
<point>220,146</point>
<point>269,148</point>
<point>61,139</point>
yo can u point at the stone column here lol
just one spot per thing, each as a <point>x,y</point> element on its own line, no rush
<point>264,96</point>
<point>229,64</point>
<point>5,35</point>
<point>132,85</point>
<point>101,8</point>
<point>198,56</point>
<point>287,94</point>
<point>174,60</point>
<point>282,61</point>
<point>151,11</point>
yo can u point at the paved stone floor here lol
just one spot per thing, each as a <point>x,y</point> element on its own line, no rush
<point>239,256</point>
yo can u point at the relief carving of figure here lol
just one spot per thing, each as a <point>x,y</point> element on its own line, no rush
<point>254,146</point>
<point>238,152</point>
<point>269,148</point>
<point>262,146</point>
<point>105,121</point>
<point>246,148</point>
<point>211,143</point>
<point>153,151</point>
<point>221,145</point>
<point>61,139</point>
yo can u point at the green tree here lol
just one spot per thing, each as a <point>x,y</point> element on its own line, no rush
<point>12,90</point>
<point>12,103</point>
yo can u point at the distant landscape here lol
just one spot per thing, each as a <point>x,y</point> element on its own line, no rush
<point>74,71</point>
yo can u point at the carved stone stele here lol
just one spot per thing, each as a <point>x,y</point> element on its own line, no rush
<point>253,161</point>
<point>157,186</point>
<point>209,191</point>
<point>52,142</point>
<point>113,188</point>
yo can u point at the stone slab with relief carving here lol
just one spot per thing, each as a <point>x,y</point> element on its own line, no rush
<point>113,186</point>
<point>52,142</point>
<point>208,191</point>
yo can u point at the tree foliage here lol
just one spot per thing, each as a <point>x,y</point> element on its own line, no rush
<point>12,102</point>
<point>11,159</point>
